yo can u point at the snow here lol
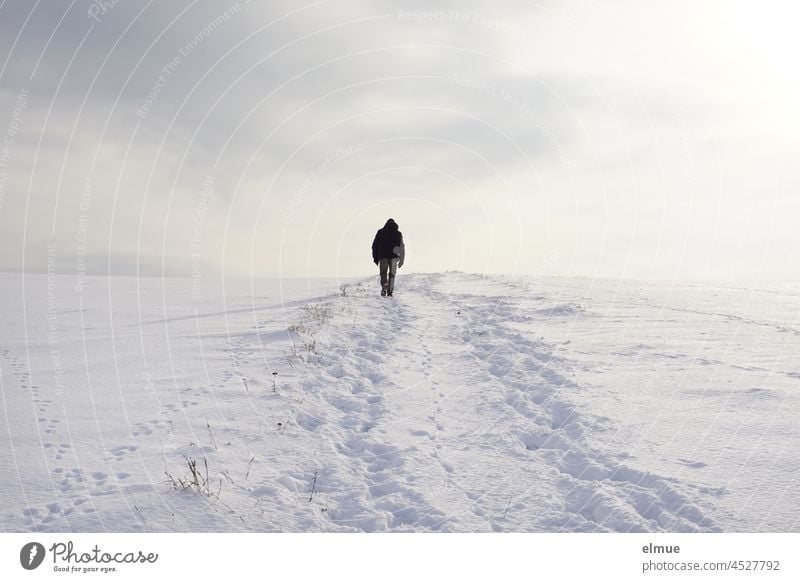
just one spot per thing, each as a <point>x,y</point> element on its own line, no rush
<point>466,403</point>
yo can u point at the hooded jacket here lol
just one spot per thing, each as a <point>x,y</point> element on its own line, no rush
<point>388,243</point>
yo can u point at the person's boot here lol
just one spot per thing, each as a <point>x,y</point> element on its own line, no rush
<point>383,290</point>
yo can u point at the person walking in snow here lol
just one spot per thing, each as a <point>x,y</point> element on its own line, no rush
<point>389,253</point>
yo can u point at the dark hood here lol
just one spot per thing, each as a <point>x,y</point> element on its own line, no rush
<point>390,224</point>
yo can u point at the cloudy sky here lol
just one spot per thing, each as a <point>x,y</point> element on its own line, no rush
<point>617,138</point>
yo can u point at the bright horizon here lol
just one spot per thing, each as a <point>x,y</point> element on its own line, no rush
<point>622,140</point>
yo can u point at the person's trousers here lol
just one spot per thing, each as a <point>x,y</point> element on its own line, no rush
<point>388,269</point>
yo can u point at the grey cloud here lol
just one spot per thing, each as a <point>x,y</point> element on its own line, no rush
<point>403,79</point>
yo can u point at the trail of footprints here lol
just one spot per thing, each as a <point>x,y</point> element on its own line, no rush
<point>387,499</point>
<point>22,376</point>
<point>77,492</point>
<point>601,490</point>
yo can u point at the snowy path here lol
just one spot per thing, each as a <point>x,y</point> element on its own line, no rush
<point>465,403</point>
<point>456,422</point>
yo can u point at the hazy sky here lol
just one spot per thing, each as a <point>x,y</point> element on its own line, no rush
<point>616,138</point>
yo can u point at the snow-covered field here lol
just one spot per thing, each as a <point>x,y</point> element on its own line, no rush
<point>465,403</point>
